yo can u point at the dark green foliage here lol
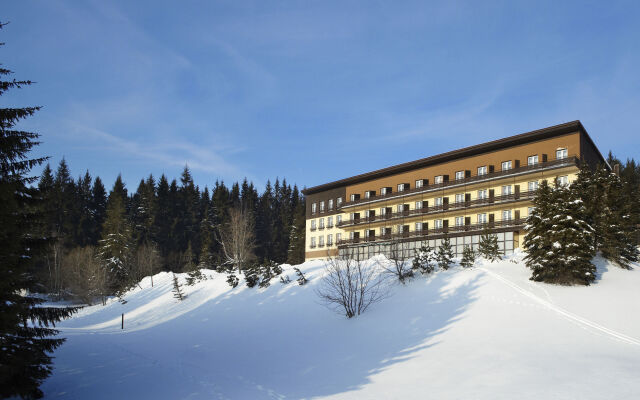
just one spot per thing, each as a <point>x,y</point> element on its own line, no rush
<point>285,279</point>
<point>468,257</point>
<point>232,280</point>
<point>488,246</point>
<point>261,274</point>
<point>444,254</point>
<point>559,242</point>
<point>609,209</point>
<point>116,245</point>
<point>301,278</point>
<point>424,260</point>
<point>27,336</point>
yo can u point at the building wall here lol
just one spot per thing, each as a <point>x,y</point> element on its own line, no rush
<point>573,142</point>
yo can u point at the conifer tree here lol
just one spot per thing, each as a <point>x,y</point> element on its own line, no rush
<point>177,288</point>
<point>468,257</point>
<point>116,243</point>
<point>559,242</point>
<point>98,208</point>
<point>488,246</point>
<point>445,253</point>
<point>295,252</point>
<point>26,333</point>
<point>425,259</point>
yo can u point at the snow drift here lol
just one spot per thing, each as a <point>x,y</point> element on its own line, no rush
<point>482,333</point>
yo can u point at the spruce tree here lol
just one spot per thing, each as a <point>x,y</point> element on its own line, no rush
<point>468,257</point>
<point>445,253</point>
<point>559,242</point>
<point>425,259</point>
<point>116,245</point>
<point>177,288</point>
<point>488,246</point>
<point>26,335</point>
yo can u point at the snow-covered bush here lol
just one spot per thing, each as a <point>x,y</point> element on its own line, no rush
<point>425,259</point>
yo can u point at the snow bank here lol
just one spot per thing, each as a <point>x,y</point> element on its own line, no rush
<point>483,333</point>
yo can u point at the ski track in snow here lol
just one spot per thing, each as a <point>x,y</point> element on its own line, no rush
<point>564,313</point>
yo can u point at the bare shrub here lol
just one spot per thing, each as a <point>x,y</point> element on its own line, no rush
<point>351,286</point>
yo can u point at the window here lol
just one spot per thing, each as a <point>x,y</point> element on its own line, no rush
<point>352,216</point>
<point>506,190</point>
<point>459,175</point>
<point>338,219</point>
<point>418,226</point>
<point>459,221</point>
<point>338,237</point>
<point>561,153</point>
<point>329,240</point>
<point>532,186</point>
<point>351,235</point>
<point>482,170</point>
<point>313,208</point>
<point>419,183</point>
<point>563,180</point>
<point>313,224</point>
<point>383,211</point>
<point>330,204</point>
<point>506,215</point>
<point>400,228</point>
<point>438,201</point>
<point>320,241</point>
<point>438,179</point>
<point>400,208</point>
<point>418,205</point>
<point>401,187</point>
<point>321,223</point>
<point>438,224</point>
<point>482,218</point>
<point>459,198</point>
<point>330,222</point>
<point>530,210</point>
<point>532,160</point>
<point>339,202</point>
<point>482,194</point>
<point>313,242</point>
<point>506,165</point>
<point>322,206</point>
<point>353,197</point>
<point>385,191</point>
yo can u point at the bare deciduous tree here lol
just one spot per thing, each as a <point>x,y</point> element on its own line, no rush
<point>351,285</point>
<point>84,275</point>
<point>398,264</point>
<point>237,239</point>
<point>147,261</point>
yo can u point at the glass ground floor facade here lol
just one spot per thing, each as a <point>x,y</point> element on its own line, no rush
<point>507,242</point>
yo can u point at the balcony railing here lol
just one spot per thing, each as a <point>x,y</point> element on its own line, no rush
<point>425,233</point>
<point>569,161</point>
<point>441,208</point>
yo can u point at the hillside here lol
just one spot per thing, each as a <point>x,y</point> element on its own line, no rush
<point>483,333</point>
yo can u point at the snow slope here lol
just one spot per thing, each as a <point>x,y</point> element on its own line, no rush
<point>483,333</point>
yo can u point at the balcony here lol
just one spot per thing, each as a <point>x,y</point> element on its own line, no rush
<point>565,162</point>
<point>427,233</point>
<point>507,198</point>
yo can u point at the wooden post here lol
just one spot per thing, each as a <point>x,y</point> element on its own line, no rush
<point>122,321</point>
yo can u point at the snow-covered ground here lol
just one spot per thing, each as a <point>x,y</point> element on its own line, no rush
<point>483,333</point>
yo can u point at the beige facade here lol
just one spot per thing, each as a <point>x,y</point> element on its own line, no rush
<point>457,194</point>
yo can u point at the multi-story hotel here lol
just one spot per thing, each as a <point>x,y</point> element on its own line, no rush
<point>458,194</point>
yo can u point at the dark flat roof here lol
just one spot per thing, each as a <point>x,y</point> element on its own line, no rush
<point>545,133</point>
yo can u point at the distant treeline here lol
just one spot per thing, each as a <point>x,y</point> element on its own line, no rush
<point>177,220</point>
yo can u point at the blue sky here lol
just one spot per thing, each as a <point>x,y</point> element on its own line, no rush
<point>313,91</point>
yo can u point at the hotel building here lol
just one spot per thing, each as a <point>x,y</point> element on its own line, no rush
<point>458,194</point>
